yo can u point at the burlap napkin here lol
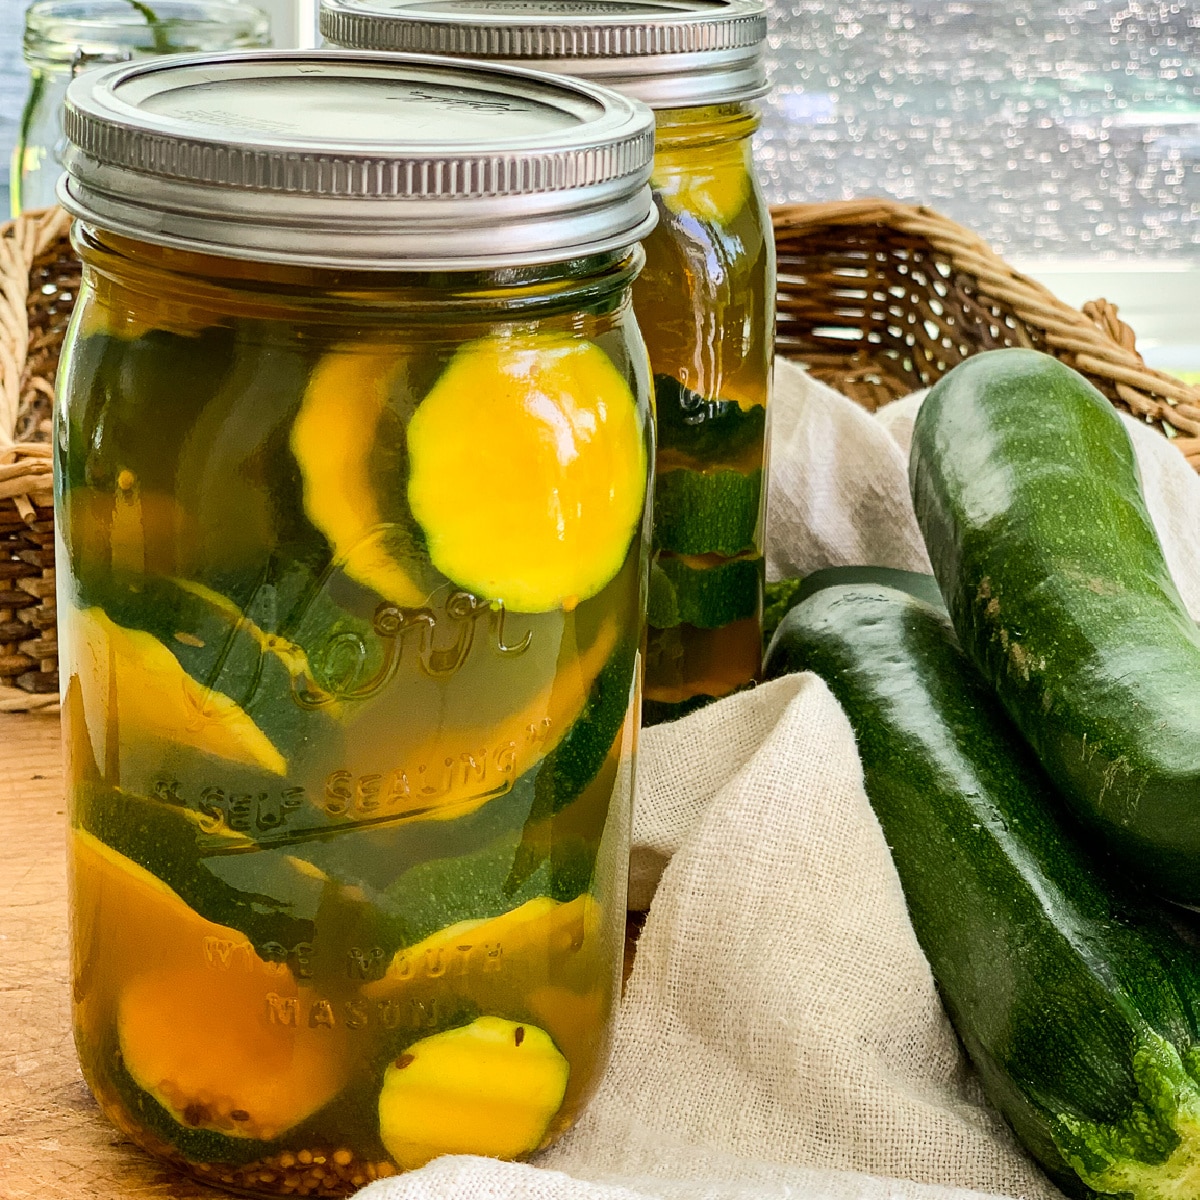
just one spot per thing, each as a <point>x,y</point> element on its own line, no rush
<point>781,1036</point>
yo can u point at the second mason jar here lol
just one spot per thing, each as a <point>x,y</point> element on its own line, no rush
<point>354,441</point>
<point>65,37</point>
<point>705,300</point>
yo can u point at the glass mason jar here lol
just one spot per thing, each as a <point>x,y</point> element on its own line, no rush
<point>64,37</point>
<point>705,300</point>
<point>353,498</point>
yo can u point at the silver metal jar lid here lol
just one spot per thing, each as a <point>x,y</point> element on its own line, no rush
<point>366,161</point>
<point>666,53</point>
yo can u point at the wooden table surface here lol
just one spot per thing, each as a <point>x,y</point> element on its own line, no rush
<point>54,1144</point>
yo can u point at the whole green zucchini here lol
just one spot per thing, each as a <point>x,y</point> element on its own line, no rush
<point>782,596</point>
<point>1076,1001</point>
<point>1029,499</point>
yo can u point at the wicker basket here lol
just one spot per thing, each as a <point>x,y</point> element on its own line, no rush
<point>38,280</point>
<point>879,299</point>
<point>875,298</point>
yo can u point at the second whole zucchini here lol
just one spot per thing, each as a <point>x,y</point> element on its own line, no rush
<point>1076,1002</point>
<point>1028,496</point>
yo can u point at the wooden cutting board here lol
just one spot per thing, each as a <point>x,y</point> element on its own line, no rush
<point>54,1143</point>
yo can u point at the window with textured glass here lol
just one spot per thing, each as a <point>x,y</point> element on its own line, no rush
<point>1066,132</point>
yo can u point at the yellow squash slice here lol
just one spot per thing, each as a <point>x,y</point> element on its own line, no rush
<point>490,1088</point>
<point>528,470</point>
<point>538,931</point>
<point>220,1038</point>
<point>332,439</point>
<point>709,182</point>
<point>134,690</point>
<point>508,747</point>
<point>230,1050</point>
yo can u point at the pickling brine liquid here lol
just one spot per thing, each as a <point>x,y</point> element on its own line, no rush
<point>352,575</point>
<point>705,303</point>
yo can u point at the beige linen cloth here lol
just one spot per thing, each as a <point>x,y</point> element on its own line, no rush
<point>781,1037</point>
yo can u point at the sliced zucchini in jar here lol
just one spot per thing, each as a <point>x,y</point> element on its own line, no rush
<point>708,431</point>
<point>205,1026</point>
<point>528,468</point>
<point>710,184</point>
<point>706,512</point>
<point>350,449</point>
<point>230,1051</point>
<point>491,1087</point>
<point>706,592</point>
<point>520,941</point>
<point>168,666</point>
<point>134,690</point>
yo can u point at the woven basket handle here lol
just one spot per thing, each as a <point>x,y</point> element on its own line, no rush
<point>24,467</point>
<point>1104,316</point>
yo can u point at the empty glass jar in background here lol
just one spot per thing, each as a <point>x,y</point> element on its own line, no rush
<point>353,485</point>
<point>705,300</point>
<point>64,37</point>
